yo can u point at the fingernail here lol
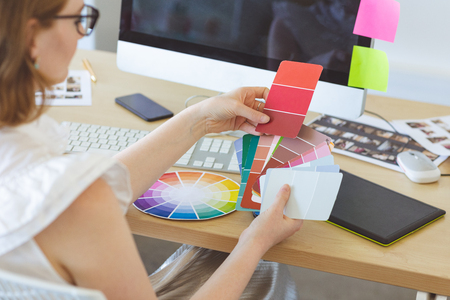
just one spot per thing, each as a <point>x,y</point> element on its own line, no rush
<point>265,119</point>
<point>285,188</point>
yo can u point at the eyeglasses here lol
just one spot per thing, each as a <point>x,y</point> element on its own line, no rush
<point>84,22</point>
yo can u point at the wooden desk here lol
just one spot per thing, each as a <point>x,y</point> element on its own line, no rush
<point>420,261</point>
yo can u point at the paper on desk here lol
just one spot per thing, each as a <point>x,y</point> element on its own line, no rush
<point>74,91</point>
<point>369,139</point>
<point>378,19</point>
<point>369,69</point>
<point>433,134</point>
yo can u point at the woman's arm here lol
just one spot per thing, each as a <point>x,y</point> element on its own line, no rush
<point>90,245</point>
<point>267,230</point>
<point>153,155</point>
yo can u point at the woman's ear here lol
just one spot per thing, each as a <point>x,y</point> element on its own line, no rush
<point>31,32</point>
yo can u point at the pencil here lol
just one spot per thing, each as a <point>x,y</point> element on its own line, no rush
<point>88,67</point>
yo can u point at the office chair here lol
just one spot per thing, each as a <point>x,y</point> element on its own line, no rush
<point>15,286</point>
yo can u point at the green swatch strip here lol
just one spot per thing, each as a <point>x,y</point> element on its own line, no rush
<point>249,157</point>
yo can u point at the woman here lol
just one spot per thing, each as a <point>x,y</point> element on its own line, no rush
<point>61,216</point>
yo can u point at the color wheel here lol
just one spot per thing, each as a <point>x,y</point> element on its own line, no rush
<point>189,196</point>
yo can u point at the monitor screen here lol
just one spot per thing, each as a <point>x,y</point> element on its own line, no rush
<point>254,34</point>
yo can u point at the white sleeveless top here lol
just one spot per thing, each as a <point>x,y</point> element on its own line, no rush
<point>37,183</point>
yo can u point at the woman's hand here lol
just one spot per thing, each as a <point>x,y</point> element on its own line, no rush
<point>235,110</point>
<point>272,226</point>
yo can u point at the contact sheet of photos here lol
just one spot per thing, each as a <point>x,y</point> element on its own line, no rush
<point>367,142</point>
<point>433,133</point>
<point>74,91</point>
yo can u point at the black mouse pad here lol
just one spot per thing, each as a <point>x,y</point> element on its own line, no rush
<point>377,213</point>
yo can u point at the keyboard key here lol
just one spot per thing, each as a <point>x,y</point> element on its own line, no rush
<point>218,166</point>
<point>186,156</point>
<point>210,159</point>
<point>224,150</point>
<point>85,144</point>
<point>191,150</point>
<point>198,163</point>
<point>83,139</point>
<point>115,148</point>
<point>208,164</point>
<point>233,167</point>
<point>183,161</point>
<point>75,143</point>
<point>207,141</point>
<point>216,143</point>
<point>105,147</point>
<point>79,149</point>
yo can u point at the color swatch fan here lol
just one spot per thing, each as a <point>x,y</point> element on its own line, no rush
<point>189,196</point>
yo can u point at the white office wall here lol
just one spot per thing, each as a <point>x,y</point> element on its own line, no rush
<point>89,42</point>
<point>106,32</point>
<point>419,59</point>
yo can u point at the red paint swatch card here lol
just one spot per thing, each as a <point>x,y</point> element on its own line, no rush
<point>289,98</point>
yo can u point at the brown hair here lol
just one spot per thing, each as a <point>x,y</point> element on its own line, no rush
<point>18,76</point>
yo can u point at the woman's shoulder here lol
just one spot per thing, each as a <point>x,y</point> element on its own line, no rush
<point>38,184</point>
<point>26,144</point>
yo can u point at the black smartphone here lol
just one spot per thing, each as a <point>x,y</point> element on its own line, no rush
<point>144,107</point>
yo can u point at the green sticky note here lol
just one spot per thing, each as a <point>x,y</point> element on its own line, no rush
<point>369,69</point>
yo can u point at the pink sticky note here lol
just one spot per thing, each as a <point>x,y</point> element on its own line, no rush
<point>378,19</point>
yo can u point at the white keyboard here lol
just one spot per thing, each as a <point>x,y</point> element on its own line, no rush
<point>207,154</point>
<point>101,139</point>
<point>211,154</point>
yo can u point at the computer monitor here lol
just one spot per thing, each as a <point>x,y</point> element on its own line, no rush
<point>221,45</point>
